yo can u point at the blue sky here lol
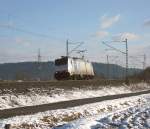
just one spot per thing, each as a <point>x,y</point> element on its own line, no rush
<point>26,25</point>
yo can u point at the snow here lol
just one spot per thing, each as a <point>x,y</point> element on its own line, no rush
<point>89,116</point>
<point>135,117</point>
<point>129,112</point>
<point>37,97</point>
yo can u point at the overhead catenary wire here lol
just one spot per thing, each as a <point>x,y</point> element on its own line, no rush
<point>126,53</point>
<point>11,27</point>
<point>114,48</point>
<point>78,44</point>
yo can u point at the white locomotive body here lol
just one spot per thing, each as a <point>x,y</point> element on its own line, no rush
<point>73,68</point>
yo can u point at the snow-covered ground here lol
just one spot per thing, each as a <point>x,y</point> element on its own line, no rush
<point>35,97</point>
<point>122,113</point>
<point>130,112</point>
<point>134,117</point>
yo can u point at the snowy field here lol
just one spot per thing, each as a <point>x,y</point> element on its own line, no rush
<point>36,98</point>
<point>43,96</point>
<point>124,113</point>
<point>133,117</point>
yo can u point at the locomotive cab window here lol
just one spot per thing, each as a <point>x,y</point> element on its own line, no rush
<point>62,61</point>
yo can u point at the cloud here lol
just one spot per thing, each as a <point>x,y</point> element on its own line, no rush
<point>147,23</point>
<point>123,36</point>
<point>107,22</point>
<point>102,34</point>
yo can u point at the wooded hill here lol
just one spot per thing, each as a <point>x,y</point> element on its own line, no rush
<point>144,75</point>
<point>45,71</point>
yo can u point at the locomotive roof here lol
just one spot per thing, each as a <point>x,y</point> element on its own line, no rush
<point>71,57</point>
<point>67,57</point>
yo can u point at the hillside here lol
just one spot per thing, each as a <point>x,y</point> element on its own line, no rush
<point>45,71</point>
<point>144,75</point>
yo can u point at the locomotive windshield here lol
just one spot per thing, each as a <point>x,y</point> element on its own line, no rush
<point>62,61</point>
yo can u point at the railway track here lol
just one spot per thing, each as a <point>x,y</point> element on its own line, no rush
<point>24,86</point>
<point>62,83</point>
<point>6,113</point>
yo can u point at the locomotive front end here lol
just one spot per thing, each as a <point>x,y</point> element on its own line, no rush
<point>61,68</point>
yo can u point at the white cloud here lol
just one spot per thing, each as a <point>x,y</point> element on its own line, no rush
<point>102,34</point>
<point>123,36</point>
<point>107,22</point>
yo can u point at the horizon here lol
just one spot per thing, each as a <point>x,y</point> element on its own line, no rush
<point>26,27</point>
<point>53,62</point>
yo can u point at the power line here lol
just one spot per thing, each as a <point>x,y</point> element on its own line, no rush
<point>113,48</point>
<point>78,44</point>
<point>8,26</point>
<point>138,59</point>
<point>126,53</point>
